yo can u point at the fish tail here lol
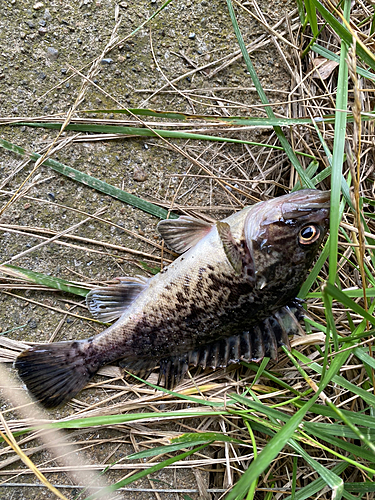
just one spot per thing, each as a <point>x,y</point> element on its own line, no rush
<point>54,373</point>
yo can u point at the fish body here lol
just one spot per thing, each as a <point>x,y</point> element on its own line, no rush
<point>231,279</point>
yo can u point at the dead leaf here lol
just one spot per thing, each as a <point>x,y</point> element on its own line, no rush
<point>324,67</point>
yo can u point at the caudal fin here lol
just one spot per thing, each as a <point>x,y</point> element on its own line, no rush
<point>54,373</point>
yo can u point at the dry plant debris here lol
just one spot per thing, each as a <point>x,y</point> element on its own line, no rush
<point>209,437</point>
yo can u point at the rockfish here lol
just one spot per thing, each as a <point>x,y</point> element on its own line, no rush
<point>222,300</point>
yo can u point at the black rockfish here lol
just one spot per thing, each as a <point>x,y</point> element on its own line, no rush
<point>222,300</point>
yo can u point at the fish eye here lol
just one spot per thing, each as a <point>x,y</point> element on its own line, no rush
<point>308,234</point>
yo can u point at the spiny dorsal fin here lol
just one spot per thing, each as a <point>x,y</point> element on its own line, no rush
<point>183,233</point>
<point>109,303</point>
<point>232,249</point>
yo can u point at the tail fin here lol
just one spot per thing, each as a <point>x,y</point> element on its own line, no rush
<point>54,373</point>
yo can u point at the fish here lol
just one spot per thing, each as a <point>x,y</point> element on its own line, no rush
<point>229,296</point>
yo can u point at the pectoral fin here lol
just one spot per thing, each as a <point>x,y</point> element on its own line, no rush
<point>108,303</point>
<point>183,233</point>
<point>232,248</point>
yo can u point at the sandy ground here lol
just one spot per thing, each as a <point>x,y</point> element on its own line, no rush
<point>42,44</point>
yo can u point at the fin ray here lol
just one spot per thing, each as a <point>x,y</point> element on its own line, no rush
<point>262,339</point>
<point>55,373</point>
<point>183,233</point>
<point>109,303</point>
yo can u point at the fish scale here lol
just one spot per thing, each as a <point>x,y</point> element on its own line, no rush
<point>217,303</point>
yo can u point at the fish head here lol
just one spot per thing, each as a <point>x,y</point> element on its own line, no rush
<point>283,236</point>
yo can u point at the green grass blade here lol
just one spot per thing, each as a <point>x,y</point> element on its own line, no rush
<point>278,442</point>
<point>344,33</point>
<point>185,441</point>
<point>83,423</point>
<point>232,120</point>
<point>364,357</point>
<point>362,488</point>
<point>338,430</point>
<point>338,154</point>
<point>301,11</point>
<point>322,51</point>
<point>143,473</point>
<point>94,183</point>
<point>178,134</point>
<point>269,412</point>
<point>353,294</point>
<point>339,380</point>
<point>272,377</point>
<point>346,301</point>
<point>353,449</point>
<point>280,134</point>
<point>311,16</point>
<point>314,272</point>
<point>192,399</point>
<point>43,279</point>
<point>311,489</point>
<point>325,411</point>
<point>328,476</point>
<point>145,132</point>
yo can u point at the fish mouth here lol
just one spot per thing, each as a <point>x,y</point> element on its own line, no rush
<point>304,202</point>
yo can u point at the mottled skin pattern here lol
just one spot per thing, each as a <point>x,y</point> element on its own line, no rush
<point>243,270</point>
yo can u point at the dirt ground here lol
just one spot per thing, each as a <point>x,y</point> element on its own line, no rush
<point>44,43</point>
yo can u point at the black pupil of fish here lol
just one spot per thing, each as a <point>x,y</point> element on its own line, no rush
<point>308,233</point>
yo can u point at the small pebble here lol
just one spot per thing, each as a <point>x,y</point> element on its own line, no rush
<point>27,206</point>
<point>52,53</point>
<point>191,36</point>
<point>42,31</point>
<point>107,61</point>
<point>47,16</point>
<point>139,174</point>
<point>32,323</point>
<point>38,5</point>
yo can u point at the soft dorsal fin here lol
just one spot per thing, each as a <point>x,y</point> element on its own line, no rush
<point>232,249</point>
<point>183,233</point>
<point>109,303</point>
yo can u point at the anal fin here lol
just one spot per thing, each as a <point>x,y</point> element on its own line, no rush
<point>141,367</point>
